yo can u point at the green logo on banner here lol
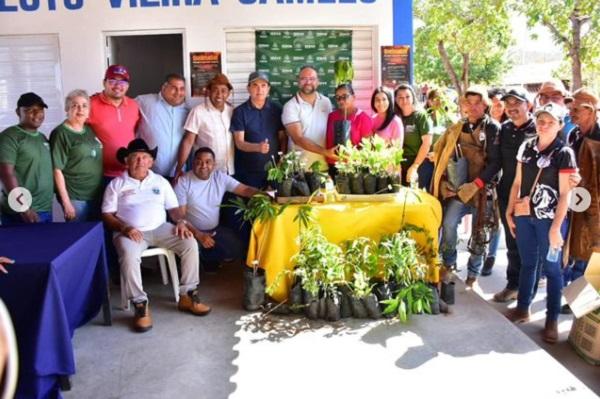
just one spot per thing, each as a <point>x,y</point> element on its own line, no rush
<point>282,53</point>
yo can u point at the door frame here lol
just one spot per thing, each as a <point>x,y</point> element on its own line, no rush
<point>106,35</point>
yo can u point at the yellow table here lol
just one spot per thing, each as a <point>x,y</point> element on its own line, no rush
<point>273,243</point>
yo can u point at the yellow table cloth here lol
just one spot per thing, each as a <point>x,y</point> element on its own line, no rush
<point>274,242</point>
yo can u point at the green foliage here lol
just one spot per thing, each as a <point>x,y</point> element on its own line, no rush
<point>558,16</point>
<point>373,155</point>
<point>475,35</point>
<point>343,72</point>
<point>259,207</point>
<point>318,263</point>
<point>288,165</point>
<point>361,262</point>
<point>414,299</point>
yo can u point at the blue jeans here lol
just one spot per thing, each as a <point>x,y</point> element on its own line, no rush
<point>15,219</point>
<point>533,242</point>
<point>574,271</point>
<point>454,211</point>
<point>227,246</point>
<point>86,211</point>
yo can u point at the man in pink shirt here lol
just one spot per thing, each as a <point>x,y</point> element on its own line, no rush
<point>114,117</point>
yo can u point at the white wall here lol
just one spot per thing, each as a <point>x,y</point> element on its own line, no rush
<point>81,32</point>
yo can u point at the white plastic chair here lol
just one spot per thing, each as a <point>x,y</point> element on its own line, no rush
<point>162,254</point>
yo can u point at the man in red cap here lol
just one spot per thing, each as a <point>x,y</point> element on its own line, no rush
<point>114,117</point>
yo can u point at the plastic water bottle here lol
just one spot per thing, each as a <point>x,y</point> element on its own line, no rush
<point>552,255</point>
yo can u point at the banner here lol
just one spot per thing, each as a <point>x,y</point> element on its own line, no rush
<point>203,65</point>
<point>281,53</point>
<point>395,65</point>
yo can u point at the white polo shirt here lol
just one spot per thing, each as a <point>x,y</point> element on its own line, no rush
<point>211,127</point>
<point>140,204</point>
<point>313,120</point>
<point>203,197</point>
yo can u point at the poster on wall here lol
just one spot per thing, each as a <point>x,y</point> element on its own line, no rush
<point>204,65</point>
<point>281,53</point>
<point>395,65</point>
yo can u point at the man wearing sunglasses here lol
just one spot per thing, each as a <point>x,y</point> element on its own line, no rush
<point>114,118</point>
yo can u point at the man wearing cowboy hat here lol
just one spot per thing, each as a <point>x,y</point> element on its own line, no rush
<point>161,125</point>
<point>134,208</point>
<point>208,124</point>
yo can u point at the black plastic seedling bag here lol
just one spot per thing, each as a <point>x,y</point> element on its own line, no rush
<point>341,132</point>
<point>370,182</point>
<point>254,288</point>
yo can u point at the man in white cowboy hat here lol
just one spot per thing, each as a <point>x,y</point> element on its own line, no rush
<point>134,208</point>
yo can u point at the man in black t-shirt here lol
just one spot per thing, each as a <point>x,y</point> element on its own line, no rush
<point>513,132</point>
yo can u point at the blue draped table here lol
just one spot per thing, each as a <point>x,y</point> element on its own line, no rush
<point>57,283</point>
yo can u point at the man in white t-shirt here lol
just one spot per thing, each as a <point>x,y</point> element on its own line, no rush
<point>305,119</point>
<point>134,208</point>
<point>200,193</point>
<point>208,124</point>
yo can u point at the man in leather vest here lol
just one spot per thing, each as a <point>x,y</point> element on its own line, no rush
<point>475,138</point>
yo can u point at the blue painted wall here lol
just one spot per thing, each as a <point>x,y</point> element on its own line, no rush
<point>403,28</point>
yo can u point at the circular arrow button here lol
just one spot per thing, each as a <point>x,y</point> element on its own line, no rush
<point>580,199</point>
<point>19,199</point>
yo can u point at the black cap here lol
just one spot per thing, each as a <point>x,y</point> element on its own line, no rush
<point>136,145</point>
<point>518,93</point>
<point>29,99</point>
<point>258,75</point>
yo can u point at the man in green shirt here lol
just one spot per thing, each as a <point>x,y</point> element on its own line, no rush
<point>25,162</point>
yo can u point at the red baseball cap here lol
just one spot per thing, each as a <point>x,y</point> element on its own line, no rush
<point>117,72</point>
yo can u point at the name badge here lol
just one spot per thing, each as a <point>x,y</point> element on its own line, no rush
<point>409,129</point>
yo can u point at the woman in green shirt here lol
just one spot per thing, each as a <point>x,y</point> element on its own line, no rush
<point>77,161</point>
<point>417,137</point>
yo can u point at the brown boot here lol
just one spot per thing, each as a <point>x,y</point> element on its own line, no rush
<point>142,321</point>
<point>517,315</point>
<point>470,282</point>
<point>190,302</point>
<point>506,295</point>
<point>550,333</point>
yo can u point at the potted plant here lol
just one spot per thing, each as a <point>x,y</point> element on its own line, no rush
<point>361,260</point>
<point>280,174</point>
<point>314,176</point>
<point>254,287</point>
<point>407,267</point>
<point>344,170</point>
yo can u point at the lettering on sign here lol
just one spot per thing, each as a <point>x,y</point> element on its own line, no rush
<point>76,5</point>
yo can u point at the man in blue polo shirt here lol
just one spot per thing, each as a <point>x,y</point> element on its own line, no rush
<point>257,132</point>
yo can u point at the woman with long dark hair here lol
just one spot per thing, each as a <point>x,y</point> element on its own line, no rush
<point>417,137</point>
<point>386,123</point>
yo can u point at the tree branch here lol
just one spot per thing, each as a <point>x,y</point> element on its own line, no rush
<point>448,66</point>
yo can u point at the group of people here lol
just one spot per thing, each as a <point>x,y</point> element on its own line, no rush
<point>124,160</point>
<point>523,171</point>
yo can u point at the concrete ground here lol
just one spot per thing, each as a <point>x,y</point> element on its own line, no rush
<point>472,353</point>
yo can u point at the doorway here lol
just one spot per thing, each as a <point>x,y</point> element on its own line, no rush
<point>149,58</point>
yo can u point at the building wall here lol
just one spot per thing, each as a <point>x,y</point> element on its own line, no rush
<point>82,32</point>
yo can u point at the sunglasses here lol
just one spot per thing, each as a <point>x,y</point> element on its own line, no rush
<point>342,97</point>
